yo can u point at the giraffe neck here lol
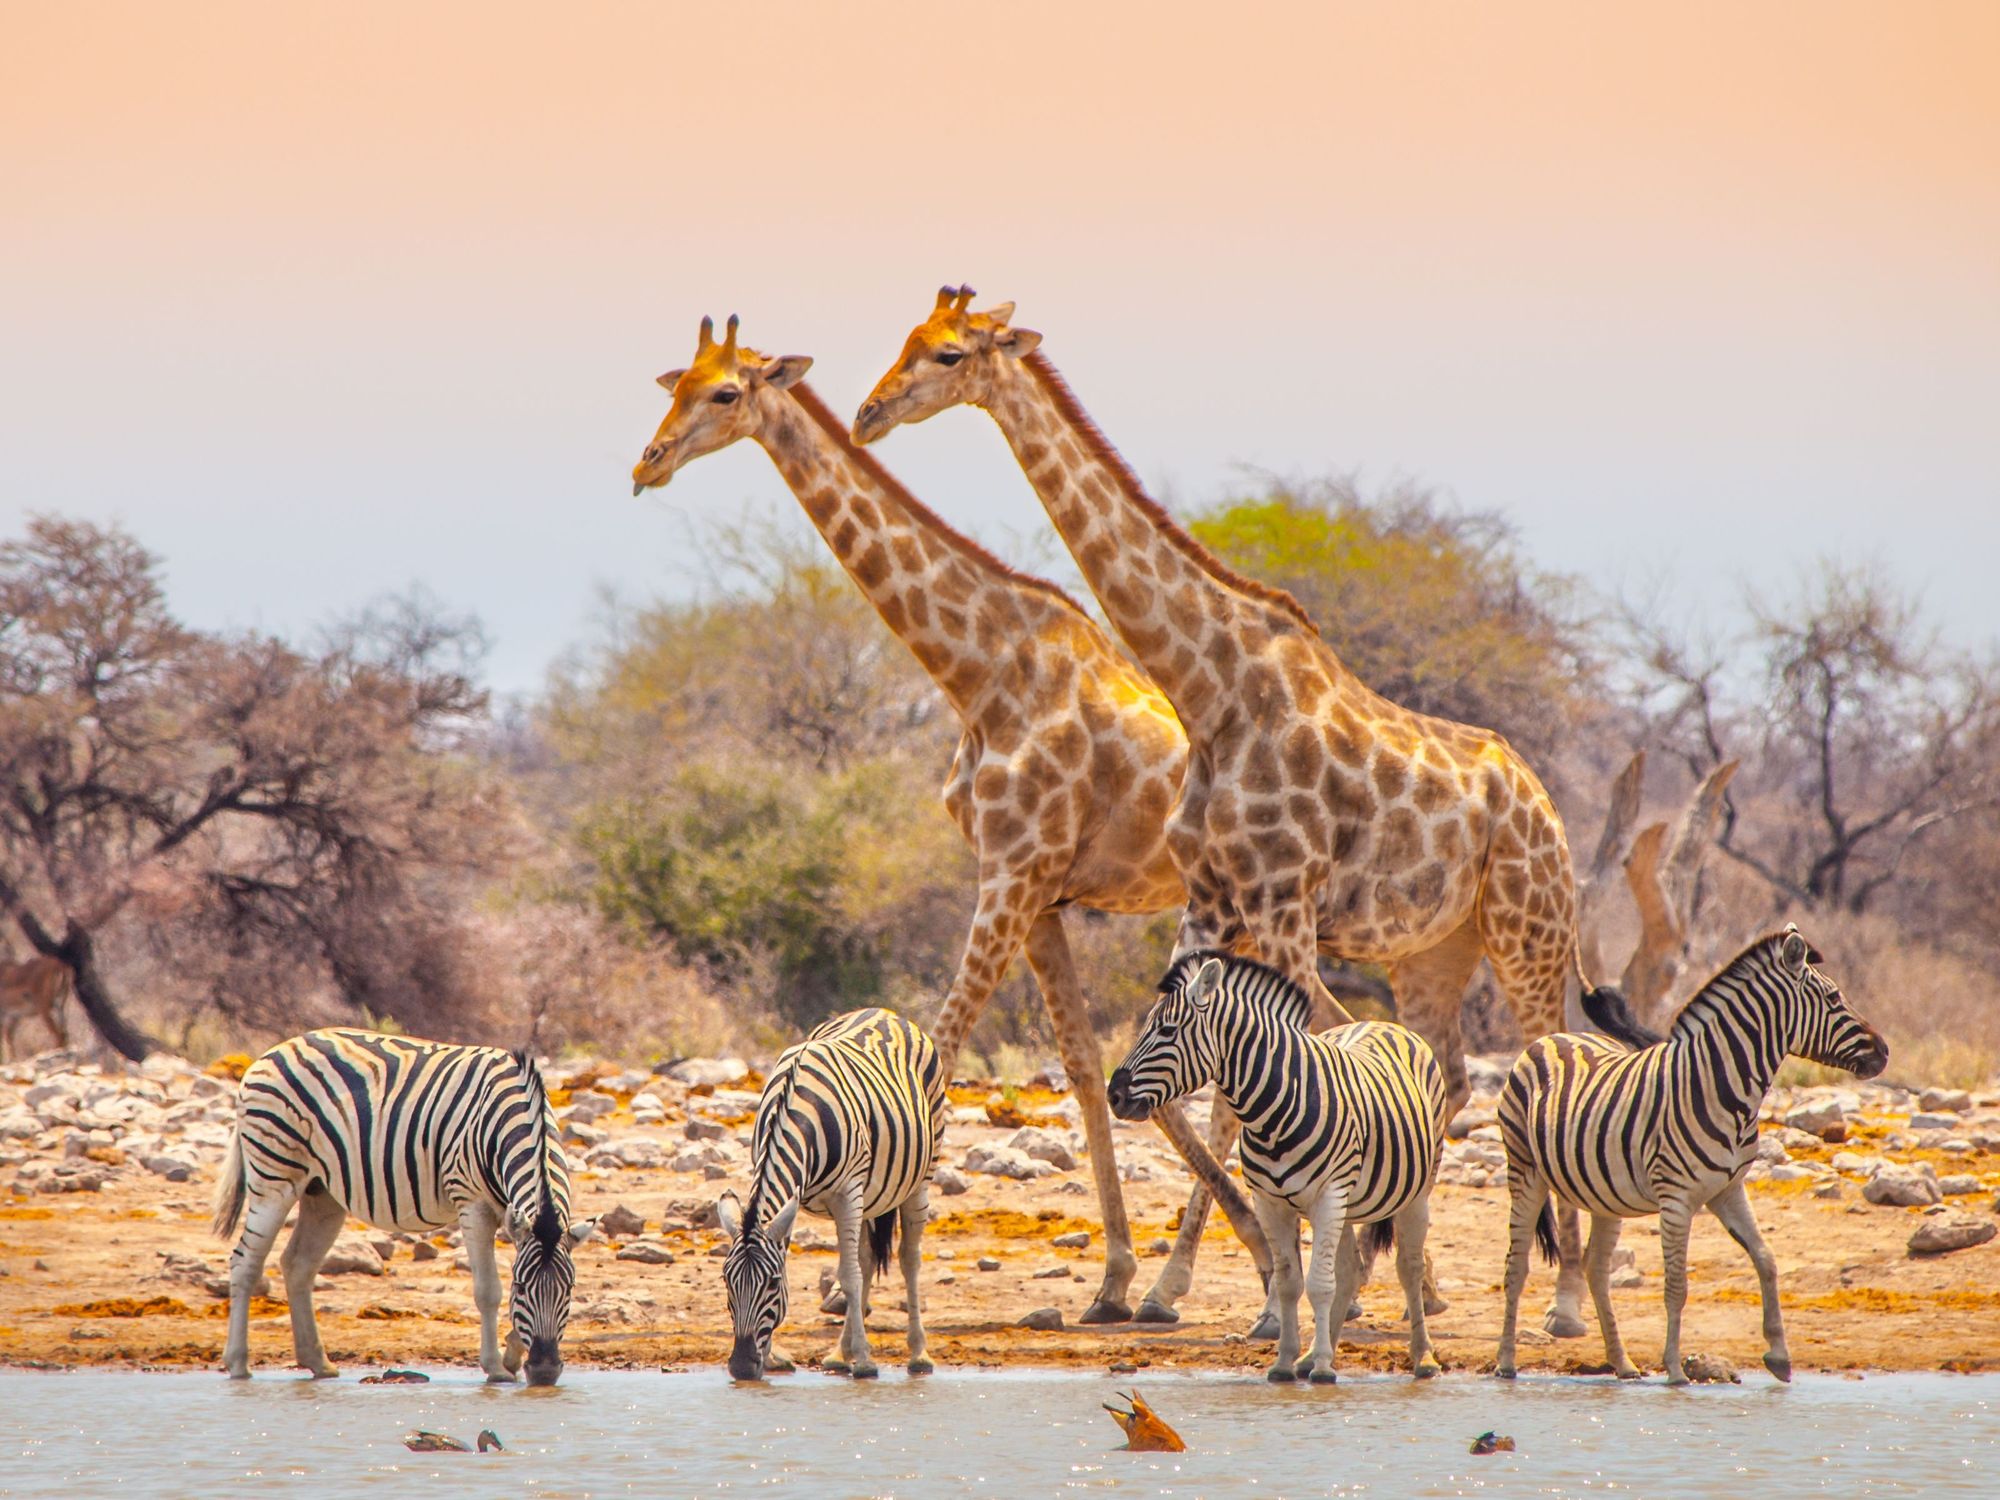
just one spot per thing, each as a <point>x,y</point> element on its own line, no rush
<point>956,606</point>
<point>1189,620</point>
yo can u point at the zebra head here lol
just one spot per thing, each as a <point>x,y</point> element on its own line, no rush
<point>1177,1051</point>
<point>1826,1030</point>
<point>544,1280</point>
<point>754,1274</point>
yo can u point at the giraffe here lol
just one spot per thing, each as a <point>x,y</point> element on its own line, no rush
<point>1315,816</point>
<point>1069,757</point>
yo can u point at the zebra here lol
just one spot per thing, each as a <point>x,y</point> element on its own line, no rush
<point>1668,1128</point>
<point>847,1127</point>
<point>1343,1128</point>
<point>410,1135</point>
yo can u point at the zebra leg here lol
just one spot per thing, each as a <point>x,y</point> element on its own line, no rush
<point>1413,1269</point>
<point>911,1254</point>
<point>1336,1268</point>
<point>1675,1214</point>
<point>1280,1223</point>
<point>261,1223</point>
<point>1732,1207</point>
<point>1076,1041</point>
<point>1526,1198</point>
<point>320,1221</point>
<point>478,1222</point>
<point>855,1357</point>
<point>1604,1230</point>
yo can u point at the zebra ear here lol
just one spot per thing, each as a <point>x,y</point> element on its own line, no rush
<point>578,1233</point>
<point>1794,950</point>
<point>779,1230</point>
<point>729,1214</point>
<point>1207,979</point>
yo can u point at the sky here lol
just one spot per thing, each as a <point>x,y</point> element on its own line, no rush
<point>324,300</point>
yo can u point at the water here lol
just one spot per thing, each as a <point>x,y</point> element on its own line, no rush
<point>1019,1435</point>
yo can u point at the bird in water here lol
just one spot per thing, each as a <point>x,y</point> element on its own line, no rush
<point>1144,1431</point>
<point>422,1441</point>
<point>1489,1442</point>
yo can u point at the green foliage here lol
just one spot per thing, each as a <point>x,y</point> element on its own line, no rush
<point>1432,608</point>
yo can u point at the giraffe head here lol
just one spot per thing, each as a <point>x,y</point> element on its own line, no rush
<point>948,360</point>
<point>717,399</point>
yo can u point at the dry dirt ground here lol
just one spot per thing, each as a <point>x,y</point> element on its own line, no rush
<point>86,1277</point>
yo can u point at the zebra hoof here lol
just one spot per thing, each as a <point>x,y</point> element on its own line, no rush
<point>1779,1366</point>
<point>1103,1311</point>
<point>1281,1375</point>
<point>921,1366</point>
<point>865,1369</point>
<point>1561,1325</point>
<point>1264,1329</point>
<point>1155,1312</point>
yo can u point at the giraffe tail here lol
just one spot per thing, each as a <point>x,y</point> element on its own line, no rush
<point>234,1187</point>
<point>1611,1014</point>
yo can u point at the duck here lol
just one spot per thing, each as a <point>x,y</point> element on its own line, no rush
<point>1491,1442</point>
<point>422,1441</point>
<point>1144,1430</point>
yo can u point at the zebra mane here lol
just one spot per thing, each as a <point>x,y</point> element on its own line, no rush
<point>1688,1016</point>
<point>546,1230</point>
<point>1246,979</point>
<point>784,1107</point>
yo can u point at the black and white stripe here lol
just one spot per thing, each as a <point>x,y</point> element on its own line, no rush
<point>1342,1128</point>
<point>1669,1128</point>
<point>408,1135</point>
<point>848,1127</point>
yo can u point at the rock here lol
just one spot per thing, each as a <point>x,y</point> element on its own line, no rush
<point>351,1255</point>
<point>1473,1117</point>
<point>1628,1276</point>
<point>698,1129</point>
<point>1925,1121</point>
<point>1006,1161</point>
<point>173,1168</point>
<point>715,1072</point>
<point>1953,1101</point>
<point>423,1250</point>
<point>947,1279</point>
<point>19,1125</point>
<point>590,1106</point>
<point>1903,1186</point>
<point>1830,1189</point>
<point>1487,1075</point>
<point>620,1222</point>
<point>385,1246</point>
<point>1771,1150</point>
<point>1954,1229</point>
<point>705,1154</point>
<point>647,1254</point>
<point>1043,1320</point>
<point>630,1151</point>
<point>1790,1172</point>
<point>1076,1241</point>
<point>1053,1273</point>
<point>582,1134</point>
<point>1707,1369</point>
<point>1044,1145</point>
<point>1814,1117</point>
<point>1855,1163</point>
<point>986,1263</point>
<point>949,1180</point>
<point>1958,1182</point>
<point>1160,1247</point>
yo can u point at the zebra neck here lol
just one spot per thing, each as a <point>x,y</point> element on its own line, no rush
<point>1735,1036</point>
<point>1262,1071</point>
<point>776,1178</point>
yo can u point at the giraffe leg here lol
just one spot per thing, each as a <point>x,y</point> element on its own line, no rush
<point>320,1221</point>
<point>1732,1207</point>
<point>1055,971</point>
<point>261,1223</point>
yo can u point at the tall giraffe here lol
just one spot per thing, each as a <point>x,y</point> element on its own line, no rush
<point>1316,816</point>
<point>1069,757</point>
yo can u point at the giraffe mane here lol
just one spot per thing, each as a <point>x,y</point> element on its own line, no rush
<point>1050,379</point>
<point>863,459</point>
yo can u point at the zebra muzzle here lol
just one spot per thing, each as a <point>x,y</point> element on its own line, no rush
<point>1123,1101</point>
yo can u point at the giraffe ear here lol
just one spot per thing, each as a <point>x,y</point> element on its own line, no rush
<point>786,370</point>
<point>999,314</point>
<point>671,379</point>
<point>1015,342</point>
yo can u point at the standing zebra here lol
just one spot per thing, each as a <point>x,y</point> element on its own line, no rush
<point>1669,1128</point>
<point>405,1135</point>
<point>1342,1128</point>
<point>848,1127</point>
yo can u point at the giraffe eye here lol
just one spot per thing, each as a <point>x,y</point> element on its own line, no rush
<point>949,358</point>
<point>726,395</point>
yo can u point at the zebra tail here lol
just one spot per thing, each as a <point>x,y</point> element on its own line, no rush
<point>1379,1236</point>
<point>882,1240</point>
<point>1611,1014</point>
<point>1545,1233</point>
<point>234,1187</point>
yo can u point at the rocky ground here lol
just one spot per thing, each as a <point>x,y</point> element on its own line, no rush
<point>1879,1202</point>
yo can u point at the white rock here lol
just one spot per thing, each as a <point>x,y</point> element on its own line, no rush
<point>1903,1185</point>
<point>1045,1145</point>
<point>949,1180</point>
<point>1953,1229</point>
<point>351,1254</point>
<point>1925,1121</point>
<point>1771,1150</point>
<point>590,1106</point>
<point>1955,1101</point>
<point>716,1072</point>
<point>1006,1161</point>
<point>1958,1182</point>
<point>1816,1116</point>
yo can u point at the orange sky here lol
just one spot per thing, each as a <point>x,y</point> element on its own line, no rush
<point>322,299</point>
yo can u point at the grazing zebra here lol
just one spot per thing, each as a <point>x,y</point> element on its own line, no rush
<point>848,1127</point>
<point>404,1135</point>
<point>1669,1128</point>
<point>1342,1128</point>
